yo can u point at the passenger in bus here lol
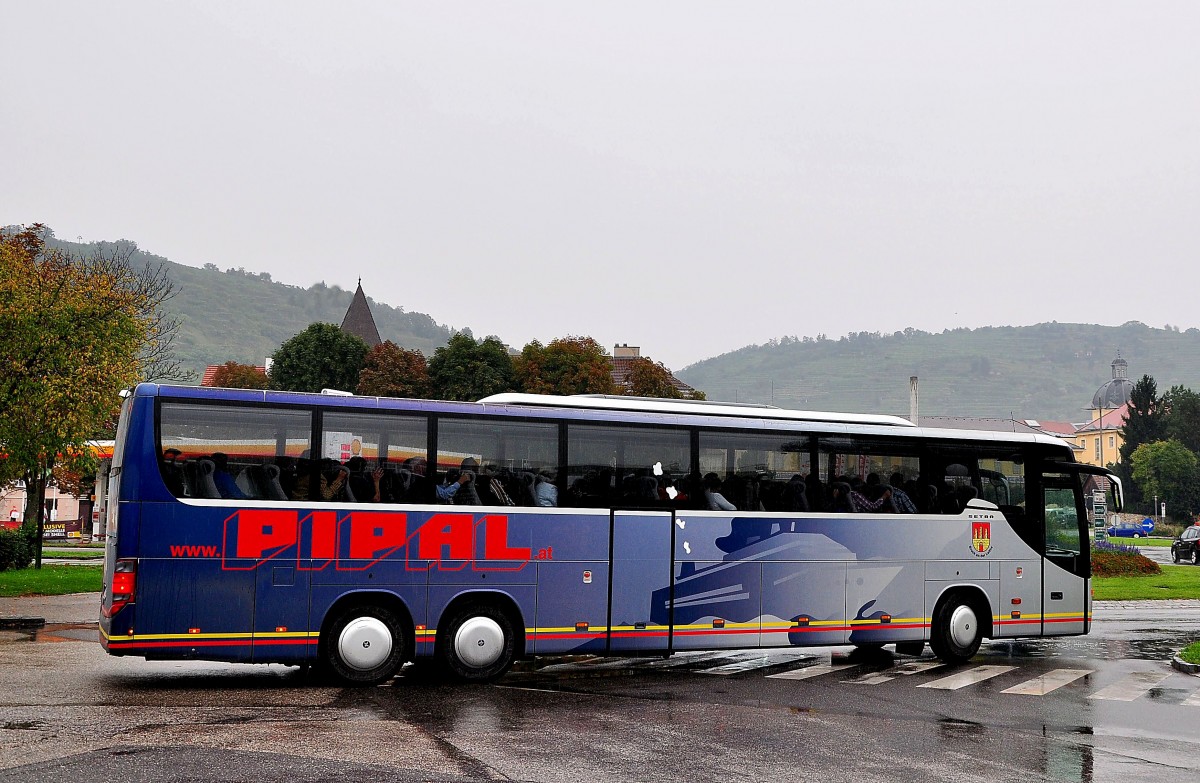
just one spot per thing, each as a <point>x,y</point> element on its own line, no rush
<point>365,486</point>
<point>712,493</point>
<point>223,479</point>
<point>839,497</point>
<point>900,498</point>
<point>329,488</point>
<point>816,492</point>
<point>454,482</point>
<point>876,498</point>
<point>172,469</point>
<point>469,495</point>
<point>546,492</point>
<point>795,496</point>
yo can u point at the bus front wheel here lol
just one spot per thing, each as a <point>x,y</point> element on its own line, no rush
<point>478,645</point>
<point>365,645</point>
<point>957,630</point>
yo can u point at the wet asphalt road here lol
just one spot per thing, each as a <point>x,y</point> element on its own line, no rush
<point>68,711</point>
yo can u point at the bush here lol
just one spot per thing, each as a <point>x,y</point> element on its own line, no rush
<point>15,551</point>
<point>1120,560</point>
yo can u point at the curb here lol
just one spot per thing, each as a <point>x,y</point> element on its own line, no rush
<point>20,623</point>
<point>1185,667</point>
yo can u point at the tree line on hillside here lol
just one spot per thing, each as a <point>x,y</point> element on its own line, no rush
<point>1160,456</point>
<point>324,357</point>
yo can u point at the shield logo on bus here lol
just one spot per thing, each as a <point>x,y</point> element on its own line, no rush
<point>981,538</point>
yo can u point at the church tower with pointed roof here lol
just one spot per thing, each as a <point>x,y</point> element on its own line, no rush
<point>359,321</point>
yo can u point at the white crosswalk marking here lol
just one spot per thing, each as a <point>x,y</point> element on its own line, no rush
<point>916,667</point>
<point>969,677</point>
<point>1192,701</point>
<point>1050,681</point>
<point>1131,687</point>
<point>756,661</point>
<point>805,673</point>
<point>870,679</point>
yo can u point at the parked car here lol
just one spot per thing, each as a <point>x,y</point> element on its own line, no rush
<point>1186,545</point>
<point>1127,529</point>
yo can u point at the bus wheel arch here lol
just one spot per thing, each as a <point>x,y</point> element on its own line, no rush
<point>479,636</point>
<point>961,619</point>
<point>366,637</point>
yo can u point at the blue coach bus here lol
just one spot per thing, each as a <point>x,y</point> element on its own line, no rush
<point>359,533</point>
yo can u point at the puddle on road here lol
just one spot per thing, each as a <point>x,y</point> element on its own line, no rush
<point>53,632</point>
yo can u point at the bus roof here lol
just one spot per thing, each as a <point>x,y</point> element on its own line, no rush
<point>694,407</point>
<point>641,410</point>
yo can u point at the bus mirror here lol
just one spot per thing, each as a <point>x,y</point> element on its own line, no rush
<point>1118,493</point>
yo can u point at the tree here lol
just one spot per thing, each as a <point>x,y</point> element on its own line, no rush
<point>464,369</point>
<point>320,357</point>
<point>76,332</point>
<point>1168,469</point>
<point>232,375</point>
<point>392,371</point>
<point>1182,418</point>
<point>651,379</point>
<point>1144,423</point>
<point>568,365</point>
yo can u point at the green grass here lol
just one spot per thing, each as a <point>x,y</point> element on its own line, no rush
<point>1182,581</point>
<point>1191,653</point>
<point>77,554</point>
<point>54,580</point>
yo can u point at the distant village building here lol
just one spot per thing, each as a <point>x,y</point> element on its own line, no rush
<point>623,358</point>
<point>1100,439</point>
<point>359,321</point>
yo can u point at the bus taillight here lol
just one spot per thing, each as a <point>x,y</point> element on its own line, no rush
<point>124,582</point>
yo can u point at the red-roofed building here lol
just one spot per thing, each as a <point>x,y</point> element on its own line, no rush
<point>211,371</point>
<point>623,359</point>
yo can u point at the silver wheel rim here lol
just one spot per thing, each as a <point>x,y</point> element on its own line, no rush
<point>963,626</point>
<point>479,642</point>
<point>365,643</point>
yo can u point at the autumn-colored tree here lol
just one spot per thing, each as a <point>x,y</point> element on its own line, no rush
<point>465,369</point>
<point>392,371</point>
<point>320,357</point>
<point>568,365</point>
<point>232,375</point>
<point>76,332</point>
<point>651,379</point>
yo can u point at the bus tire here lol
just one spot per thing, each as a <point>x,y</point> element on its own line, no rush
<point>478,644</point>
<point>957,630</point>
<point>366,645</point>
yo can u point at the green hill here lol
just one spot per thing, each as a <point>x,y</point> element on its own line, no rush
<point>1048,371</point>
<point>242,316</point>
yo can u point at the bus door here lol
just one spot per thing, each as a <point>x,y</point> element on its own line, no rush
<point>640,569</point>
<point>1067,559</point>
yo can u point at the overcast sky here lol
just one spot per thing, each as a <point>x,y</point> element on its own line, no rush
<point>688,177</point>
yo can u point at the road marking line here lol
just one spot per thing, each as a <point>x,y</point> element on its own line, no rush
<point>870,679</point>
<point>1193,700</point>
<point>1050,681</point>
<point>969,677</point>
<point>1130,687</point>
<point>759,661</point>
<point>805,672</point>
<point>916,667</point>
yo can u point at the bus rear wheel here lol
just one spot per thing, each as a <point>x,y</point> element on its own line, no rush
<point>957,630</point>
<point>366,645</point>
<point>478,644</point>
